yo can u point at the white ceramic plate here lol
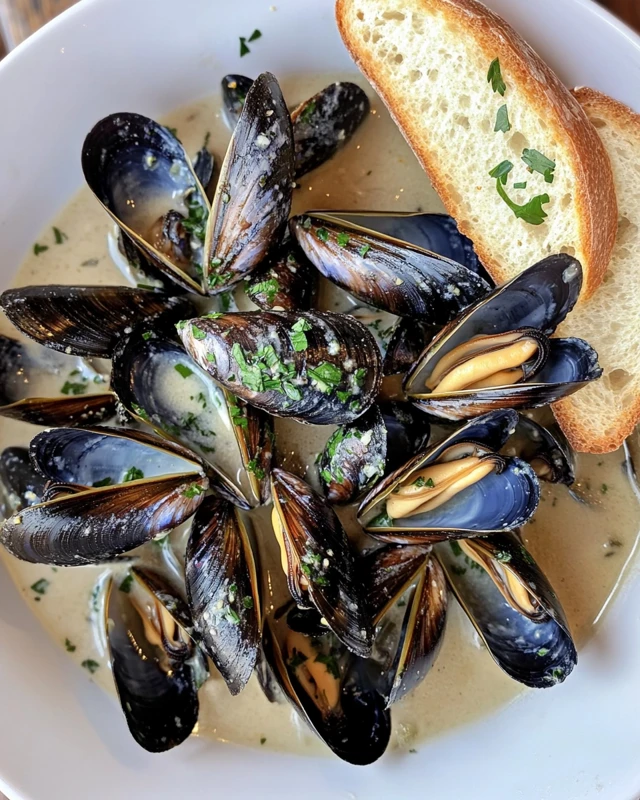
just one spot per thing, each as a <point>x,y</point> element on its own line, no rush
<point>60,737</point>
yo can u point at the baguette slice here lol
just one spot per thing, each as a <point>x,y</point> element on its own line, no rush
<point>599,417</point>
<point>428,60</point>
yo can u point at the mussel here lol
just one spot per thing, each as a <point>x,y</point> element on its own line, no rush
<point>253,197</point>
<point>234,93</point>
<point>409,633</point>
<point>160,385</point>
<point>331,688</point>
<point>136,268</point>
<point>512,606</point>
<point>222,588</point>
<point>498,353</point>
<point>116,490</point>
<point>288,283</point>
<point>318,561</point>
<point>155,664</point>
<point>141,174</point>
<point>544,448</point>
<point>83,320</point>
<point>359,454</point>
<point>458,488</point>
<point>27,373</point>
<point>316,367</point>
<point>387,273</point>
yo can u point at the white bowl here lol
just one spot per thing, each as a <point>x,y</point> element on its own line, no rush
<point>60,737</point>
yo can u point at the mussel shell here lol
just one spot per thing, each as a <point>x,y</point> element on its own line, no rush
<point>234,93</point>
<point>385,272</point>
<point>545,449</point>
<point>535,649</point>
<point>325,122</point>
<point>222,588</point>
<point>288,284</point>
<point>359,730</point>
<point>540,298</point>
<point>21,483</point>
<point>316,544</point>
<point>500,501</point>
<point>150,375</point>
<point>156,686</point>
<point>58,411</point>
<point>253,197</point>
<point>82,320</point>
<point>407,342</point>
<point>332,380</point>
<point>136,268</point>
<point>437,233</point>
<point>203,165</point>
<point>387,573</point>
<point>139,171</point>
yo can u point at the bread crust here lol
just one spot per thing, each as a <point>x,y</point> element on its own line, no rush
<point>595,199</point>
<point>571,422</point>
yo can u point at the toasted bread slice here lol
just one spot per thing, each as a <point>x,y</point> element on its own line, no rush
<point>599,417</point>
<point>429,61</point>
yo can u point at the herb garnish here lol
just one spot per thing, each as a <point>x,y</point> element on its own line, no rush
<point>40,586</point>
<point>531,212</point>
<point>39,248</point>
<point>90,665</point>
<point>253,467</point>
<point>307,111</point>
<point>297,659</point>
<point>269,288</point>
<point>192,491</point>
<point>197,333</point>
<point>126,583</point>
<point>298,339</point>
<point>263,739</point>
<point>73,388</point>
<point>455,547</point>
<point>382,521</point>
<point>520,185</point>
<point>243,42</point>
<point>59,235</point>
<point>542,651</point>
<point>322,234</point>
<point>103,482</point>
<point>503,556</point>
<point>69,646</point>
<point>133,474</point>
<point>343,239</point>
<point>494,77</point>
<point>255,35</point>
<point>183,370</point>
<point>420,482</point>
<point>326,376</point>
<point>501,171</point>
<point>537,162</point>
<point>502,120</point>
<point>330,663</point>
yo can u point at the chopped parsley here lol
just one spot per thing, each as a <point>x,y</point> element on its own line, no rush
<point>307,112</point>
<point>263,739</point>
<point>195,223</point>
<point>255,35</point>
<point>362,252</point>
<point>326,376</point>
<point>330,663</point>
<point>421,482</point>
<point>269,287</point>
<point>537,162</point>
<point>183,370</point>
<point>232,616</point>
<point>382,521</point>
<point>133,474</point>
<point>103,482</point>
<point>41,586</point>
<point>501,171</point>
<point>343,239</point>
<point>298,338</point>
<point>455,547</point>
<point>256,469</point>
<point>542,651</point>
<point>237,416</point>
<point>503,556</point>
<point>247,602</point>
<point>502,120</point>
<point>297,659</point>
<point>197,333</point>
<point>69,646</point>
<point>73,388</point>
<point>243,46</point>
<point>90,665</point>
<point>126,583</point>
<point>322,234</point>
<point>39,248</point>
<point>148,335</point>
<point>59,235</point>
<point>140,412</point>
<point>193,490</point>
<point>531,212</point>
<point>604,488</point>
<point>494,77</point>
<point>225,301</point>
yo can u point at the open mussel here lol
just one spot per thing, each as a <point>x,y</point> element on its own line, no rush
<point>498,353</point>
<point>408,593</point>
<point>331,688</point>
<point>204,164</point>
<point>222,588</point>
<point>234,93</point>
<point>325,122</point>
<point>385,272</point>
<point>20,483</point>
<point>142,176</point>
<point>544,448</point>
<point>160,385</point>
<point>288,283</point>
<point>512,606</point>
<point>155,664</point>
<point>116,490</point>
<point>437,233</point>
<point>318,561</point>
<point>83,320</point>
<point>253,197</point>
<point>45,389</point>
<point>359,454</point>
<point>458,488</point>
<point>316,367</point>
<point>135,267</point>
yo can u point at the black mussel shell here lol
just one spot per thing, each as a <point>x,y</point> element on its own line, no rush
<point>117,508</point>
<point>331,689</point>
<point>545,448</point>
<point>503,499</point>
<point>321,569</point>
<point>408,340</point>
<point>160,385</point>
<point>222,588</point>
<point>437,233</point>
<point>203,164</point>
<point>325,122</point>
<point>155,681</point>
<point>253,197</point>
<point>512,606</point>
<point>288,284</point>
<point>136,267</point>
<point>538,299</point>
<point>387,273</point>
<point>82,320</point>
<point>387,573</point>
<point>306,620</point>
<point>359,454</point>
<point>21,483</point>
<point>316,367</point>
<point>141,174</point>
<point>234,93</point>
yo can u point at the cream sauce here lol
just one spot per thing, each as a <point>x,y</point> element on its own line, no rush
<point>582,546</point>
